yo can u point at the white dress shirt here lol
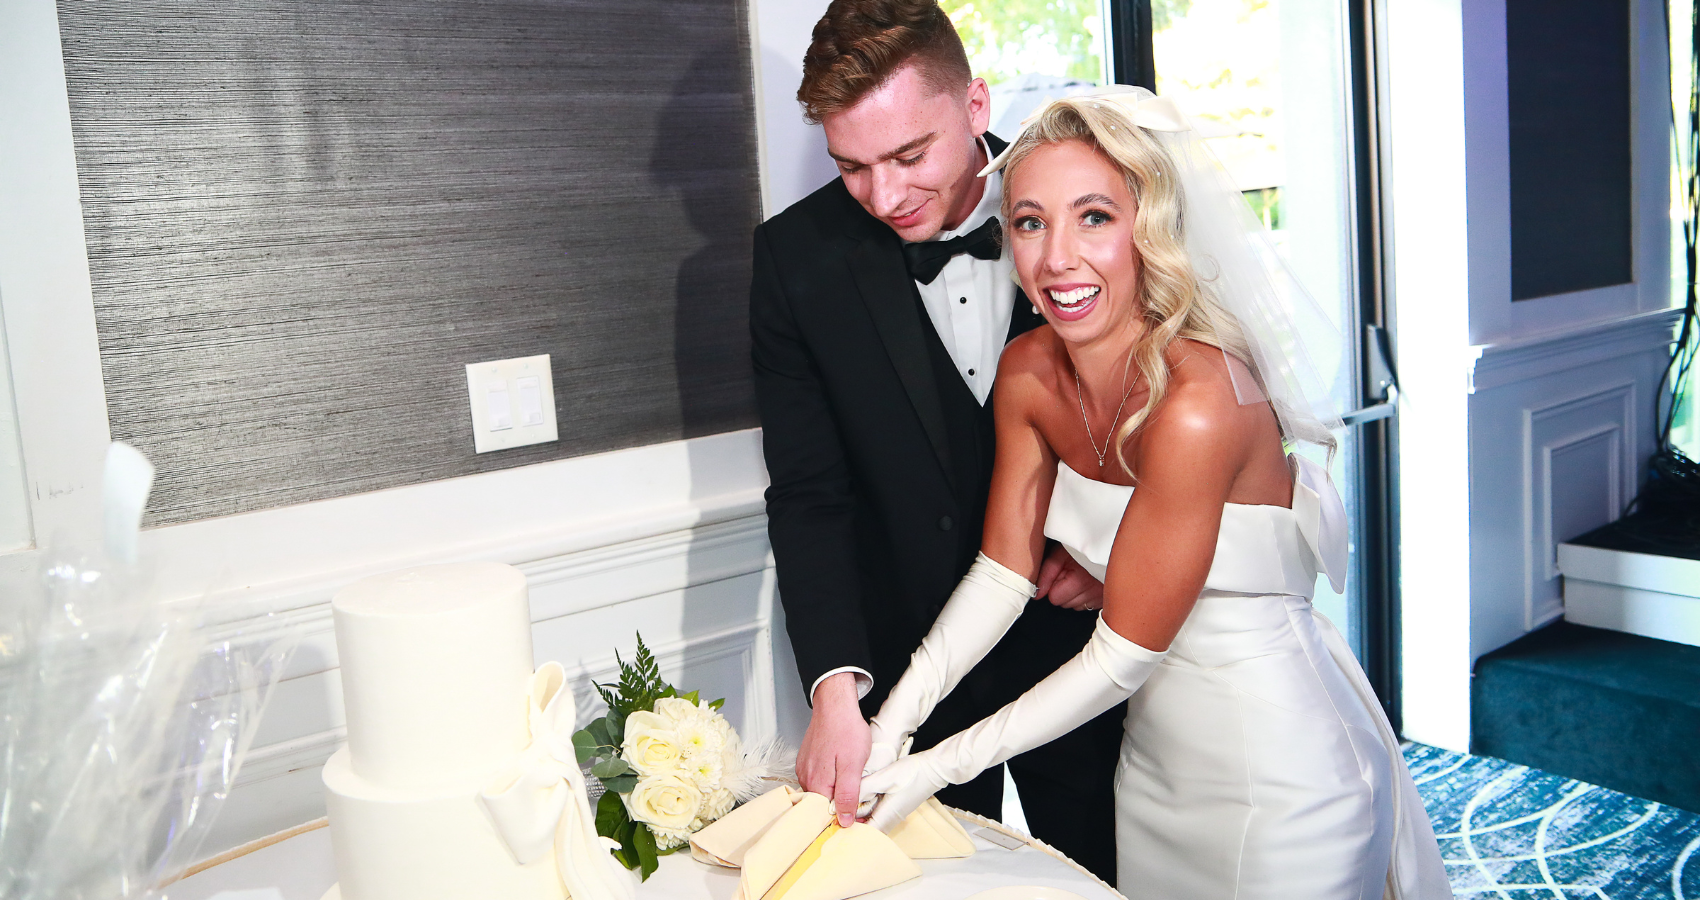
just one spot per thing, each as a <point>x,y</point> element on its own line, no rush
<point>971,300</point>
<point>969,304</point>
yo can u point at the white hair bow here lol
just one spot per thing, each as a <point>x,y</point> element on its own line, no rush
<point>1143,108</point>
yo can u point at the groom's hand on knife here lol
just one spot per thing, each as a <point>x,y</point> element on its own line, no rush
<point>1063,582</point>
<point>835,748</point>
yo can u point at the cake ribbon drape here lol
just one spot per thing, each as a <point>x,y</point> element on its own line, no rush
<point>545,805</point>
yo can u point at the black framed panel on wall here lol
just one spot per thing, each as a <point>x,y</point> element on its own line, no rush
<point>305,217</point>
<point>1569,102</point>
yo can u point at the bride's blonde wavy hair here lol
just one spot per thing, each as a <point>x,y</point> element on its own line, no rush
<point>1174,303</point>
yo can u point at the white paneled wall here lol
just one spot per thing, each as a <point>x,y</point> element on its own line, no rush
<point>701,595</point>
<point>1521,423</point>
<point>1559,432</point>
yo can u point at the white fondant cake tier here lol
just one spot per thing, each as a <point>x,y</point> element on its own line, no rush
<point>436,666</point>
<point>419,845</point>
<point>435,662</point>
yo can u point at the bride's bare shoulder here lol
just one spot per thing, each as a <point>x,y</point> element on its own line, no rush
<point>1201,397</point>
<point>1029,365</point>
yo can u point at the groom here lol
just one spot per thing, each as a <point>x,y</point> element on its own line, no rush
<point>878,309</point>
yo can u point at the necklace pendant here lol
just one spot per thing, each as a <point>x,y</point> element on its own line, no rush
<point>1100,463</point>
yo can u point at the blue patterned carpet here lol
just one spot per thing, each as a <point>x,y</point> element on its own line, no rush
<point>1516,833</point>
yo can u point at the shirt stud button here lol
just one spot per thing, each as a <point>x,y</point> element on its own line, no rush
<point>962,299</point>
<point>970,371</point>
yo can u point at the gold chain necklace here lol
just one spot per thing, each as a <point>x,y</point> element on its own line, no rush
<point>1081,396</point>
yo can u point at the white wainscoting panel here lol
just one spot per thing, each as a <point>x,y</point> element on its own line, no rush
<point>701,597</point>
<point>1559,438</point>
<point>1577,477</point>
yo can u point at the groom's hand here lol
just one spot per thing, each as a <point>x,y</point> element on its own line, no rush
<point>835,748</point>
<point>1063,582</point>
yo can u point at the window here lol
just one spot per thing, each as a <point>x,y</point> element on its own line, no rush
<point>1028,50</point>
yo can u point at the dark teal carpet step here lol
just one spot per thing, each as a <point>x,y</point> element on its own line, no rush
<point>1605,707</point>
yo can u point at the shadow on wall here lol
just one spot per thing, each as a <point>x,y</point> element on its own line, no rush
<point>696,157</point>
<point>797,162</point>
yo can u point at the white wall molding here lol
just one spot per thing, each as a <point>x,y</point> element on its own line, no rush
<point>701,595</point>
<point>45,291</point>
<point>1493,315</point>
<point>309,751</point>
<point>591,579</point>
<point>1583,441</point>
<point>1539,355</point>
<point>292,556</point>
<point>1558,444</point>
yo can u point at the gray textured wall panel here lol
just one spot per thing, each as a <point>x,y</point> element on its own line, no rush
<point>304,218</point>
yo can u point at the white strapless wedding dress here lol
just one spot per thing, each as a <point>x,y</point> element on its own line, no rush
<point>1256,762</point>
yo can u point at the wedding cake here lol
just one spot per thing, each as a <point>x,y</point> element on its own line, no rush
<point>460,778</point>
<point>436,665</point>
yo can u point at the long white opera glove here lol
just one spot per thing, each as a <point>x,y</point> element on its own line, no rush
<point>1108,671</point>
<point>979,612</point>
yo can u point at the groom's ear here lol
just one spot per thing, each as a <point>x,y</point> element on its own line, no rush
<point>979,106</point>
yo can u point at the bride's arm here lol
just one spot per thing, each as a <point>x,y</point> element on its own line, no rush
<point>997,587</point>
<point>1190,455</point>
<point>1024,470</point>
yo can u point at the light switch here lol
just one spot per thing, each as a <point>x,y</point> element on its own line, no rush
<point>496,405</point>
<point>513,403</point>
<point>530,401</point>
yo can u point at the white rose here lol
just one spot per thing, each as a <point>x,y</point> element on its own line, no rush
<point>651,745</point>
<point>675,709</point>
<point>667,801</point>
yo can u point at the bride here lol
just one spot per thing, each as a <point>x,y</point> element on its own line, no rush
<point>1144,430</point>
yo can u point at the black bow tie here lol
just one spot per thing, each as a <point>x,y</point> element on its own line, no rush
<point>928,258</point>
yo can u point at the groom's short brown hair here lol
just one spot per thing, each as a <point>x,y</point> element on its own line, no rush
<point>859,44</point>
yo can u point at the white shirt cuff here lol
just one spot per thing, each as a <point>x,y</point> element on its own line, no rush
<point>864,682</point>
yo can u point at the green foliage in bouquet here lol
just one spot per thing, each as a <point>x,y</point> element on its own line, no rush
<point>640,685</point>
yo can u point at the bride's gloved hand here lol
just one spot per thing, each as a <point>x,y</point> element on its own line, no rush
<point>1105,673</point>
<point>979,612</point>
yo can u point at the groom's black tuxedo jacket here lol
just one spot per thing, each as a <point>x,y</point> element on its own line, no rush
<point>879,454</point>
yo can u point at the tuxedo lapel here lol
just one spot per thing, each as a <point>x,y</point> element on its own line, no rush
<point>889,294</point>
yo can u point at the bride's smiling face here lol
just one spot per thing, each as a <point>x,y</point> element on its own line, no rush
<point>1071,235</point>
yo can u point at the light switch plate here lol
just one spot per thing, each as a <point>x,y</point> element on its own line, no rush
<point>513,403</point>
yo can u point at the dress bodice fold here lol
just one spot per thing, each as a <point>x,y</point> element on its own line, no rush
<point>1259,549</point>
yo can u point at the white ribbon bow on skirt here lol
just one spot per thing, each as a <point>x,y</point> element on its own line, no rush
<point>546,805</point>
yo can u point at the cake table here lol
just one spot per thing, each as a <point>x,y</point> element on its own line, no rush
<point>296,865</point>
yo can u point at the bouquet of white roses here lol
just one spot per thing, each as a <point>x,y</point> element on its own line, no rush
<point>670,764</point>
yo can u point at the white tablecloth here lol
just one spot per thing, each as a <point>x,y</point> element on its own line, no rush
<point>300,868</point>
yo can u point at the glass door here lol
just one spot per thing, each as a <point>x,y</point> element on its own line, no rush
<point>1279,89</point>
<point>1282,91</point>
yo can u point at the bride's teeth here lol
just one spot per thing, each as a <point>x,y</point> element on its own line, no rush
<point>1076,296</point>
